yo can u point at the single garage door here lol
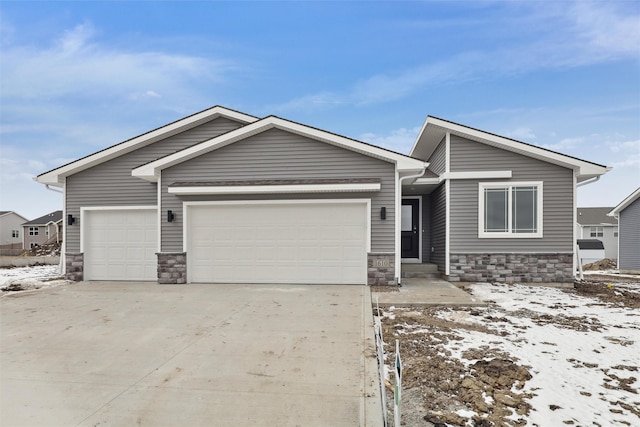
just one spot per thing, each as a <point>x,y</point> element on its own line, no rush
<point>279,242</point>
<point>120,244</point>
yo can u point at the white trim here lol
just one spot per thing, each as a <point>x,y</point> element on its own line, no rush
<point>54,177</point>
<point>509,234</point>
<point>420,231</point>
<point>427,181</point>
<point>625,203</point>
<point>576,261</point>
<point>150,171</point>
<point>398,244</point>
<point>274,189</point>
<point>477,175</point>
<point>365,202</point>
<point>447,201</point>
<point>159,203</point>
<point>85,209</point>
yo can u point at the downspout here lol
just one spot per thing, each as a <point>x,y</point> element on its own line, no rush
<point>61,264</point>
<point>399,218</point>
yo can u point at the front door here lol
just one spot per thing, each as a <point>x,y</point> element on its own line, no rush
<point>410,224</point>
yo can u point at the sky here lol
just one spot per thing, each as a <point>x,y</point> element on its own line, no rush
<point>79,76</point>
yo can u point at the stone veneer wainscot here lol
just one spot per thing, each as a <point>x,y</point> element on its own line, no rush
<point>172,268</point>
<point>381,269</point>
<point>512,268</point>
<point>74,266</point>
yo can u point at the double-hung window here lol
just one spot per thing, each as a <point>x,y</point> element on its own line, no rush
<point>596,232</point>
<point>33,231</point>
<point>511,210</point>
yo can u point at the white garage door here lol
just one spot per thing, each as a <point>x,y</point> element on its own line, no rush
<point>280,242</point>
<point>120,244</point>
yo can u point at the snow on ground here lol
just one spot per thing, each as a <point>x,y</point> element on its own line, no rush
<point>584,355</point>
<point>29,278</point>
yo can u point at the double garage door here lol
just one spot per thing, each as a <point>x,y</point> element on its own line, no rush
<point>277,242</point>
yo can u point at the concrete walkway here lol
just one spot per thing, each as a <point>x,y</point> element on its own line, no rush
<point>416,292</point>
<point>123,354</point>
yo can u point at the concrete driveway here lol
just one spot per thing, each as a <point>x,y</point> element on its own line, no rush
<point>123,354</point>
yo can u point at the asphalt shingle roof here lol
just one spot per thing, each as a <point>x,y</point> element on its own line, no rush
<point>43,220</point>
<point>595,216</point>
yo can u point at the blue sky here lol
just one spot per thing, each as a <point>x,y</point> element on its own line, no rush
<point>78,76</point>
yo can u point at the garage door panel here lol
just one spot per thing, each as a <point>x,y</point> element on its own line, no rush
<point>120,244</point>
<point>277,243</point>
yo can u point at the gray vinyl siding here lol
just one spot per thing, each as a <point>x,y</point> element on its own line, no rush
<point>629,235</point>
<point>439,226</point>
<point>426,228</point>
<point>438,160</point>
<point>111,184</point>
<point>557,200</point>
<point>276,154</point>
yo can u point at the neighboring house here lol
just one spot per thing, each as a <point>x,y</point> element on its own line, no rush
<point>591,250</point>
<point>222,196</point>
<point>595,223</point>
<point>11,231</point>
<point>43,230</point>
<point>628,214</point>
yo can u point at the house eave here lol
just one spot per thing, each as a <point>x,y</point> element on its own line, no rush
<point>625,203</point>
<point>434,130</point>
<point>56,176</point>
<point>152,170</point>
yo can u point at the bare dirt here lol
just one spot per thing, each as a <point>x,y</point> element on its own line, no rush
<point>437,387</point>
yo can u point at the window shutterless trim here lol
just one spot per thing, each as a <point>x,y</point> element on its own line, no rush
<point>482,234</point>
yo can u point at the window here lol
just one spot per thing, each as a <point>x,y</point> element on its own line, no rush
<point>615,231</point>
<point>597,232</point>
<point>33,231</point>
<point>510,210</point>
<point>15,233</point>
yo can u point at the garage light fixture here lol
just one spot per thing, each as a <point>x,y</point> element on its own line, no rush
<point>170,216</point>
<point>70,219</point>
<point>383,213</point>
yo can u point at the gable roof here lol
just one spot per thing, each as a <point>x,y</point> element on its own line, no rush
<point>3,213</point>
<point>151,170</point>
<point>595,216</point>
<point>625,203</point>
<point>56,176</point>
<point>55,216</point>
<point>435,129</point>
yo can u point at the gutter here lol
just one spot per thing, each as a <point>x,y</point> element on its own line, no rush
<point>588,181</point>
<point>399,218</point>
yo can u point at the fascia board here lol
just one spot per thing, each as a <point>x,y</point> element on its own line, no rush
<point>56,176</point>
<point>434,124</point>
<point>626,202</point>
<point>151,170</point>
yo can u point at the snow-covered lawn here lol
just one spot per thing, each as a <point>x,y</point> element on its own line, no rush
<point>583,353</point>
<point>29,278</point>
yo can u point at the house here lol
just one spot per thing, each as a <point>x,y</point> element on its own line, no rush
<point>43,230</point>
<point>591,250</point>
<point>595,223</point>
<point>10,232</point>
<point>222,196</point>
<point>628,215</point>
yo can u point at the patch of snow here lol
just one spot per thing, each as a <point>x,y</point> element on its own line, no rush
<point>30,278</point>
<point>575,360</point>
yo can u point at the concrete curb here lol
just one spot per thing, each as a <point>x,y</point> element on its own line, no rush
<point>371,413</point>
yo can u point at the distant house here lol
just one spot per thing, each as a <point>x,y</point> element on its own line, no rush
<point>11,231</point>
<point>628,214</point>
<point>594,223</point>
<point>43,230</point>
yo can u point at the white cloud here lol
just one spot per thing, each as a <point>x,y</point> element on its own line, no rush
<point>631,146</point>
<point>399,140</point>
<point>521,134</point>
<point>565,144</point>
<point>570,35</point>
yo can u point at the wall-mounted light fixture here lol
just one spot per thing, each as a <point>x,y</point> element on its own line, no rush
<point>170,216</point>
<point>70,219</point>
<point>383,213</point>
